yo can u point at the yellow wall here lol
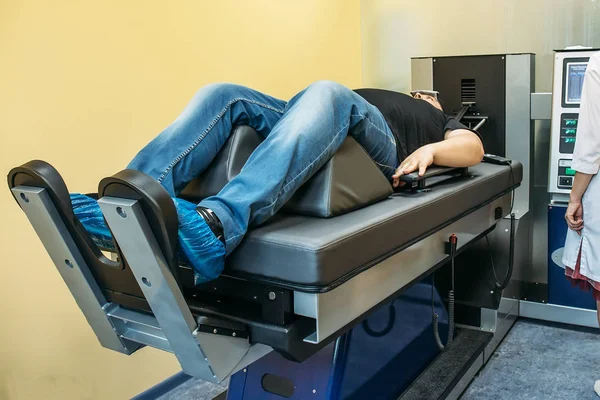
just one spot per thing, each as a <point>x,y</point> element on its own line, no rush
<point>83,85</point>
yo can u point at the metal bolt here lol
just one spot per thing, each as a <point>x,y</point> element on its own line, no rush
<point>255,297</point>
<point>314,390</point>
<point>491,292</point>
<point>272,296</point>
<point>503,58</point>
<point>244,369</point>
<point>214,331</point>
<point>506,230</point>
<point>233,334</point>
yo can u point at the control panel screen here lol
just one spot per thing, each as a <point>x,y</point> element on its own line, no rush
<point>574,84</point>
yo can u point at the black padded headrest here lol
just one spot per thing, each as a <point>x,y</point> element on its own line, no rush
<point>348,181</point>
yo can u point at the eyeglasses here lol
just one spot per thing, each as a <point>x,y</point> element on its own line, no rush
<point>432,93</point>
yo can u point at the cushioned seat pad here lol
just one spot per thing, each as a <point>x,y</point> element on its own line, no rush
<point>315,254</point>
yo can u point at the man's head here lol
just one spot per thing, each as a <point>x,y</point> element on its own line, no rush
<point>429,96</point>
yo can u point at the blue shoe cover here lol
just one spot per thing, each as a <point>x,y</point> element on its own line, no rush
<point>88,212</point>
<point>204,252</point>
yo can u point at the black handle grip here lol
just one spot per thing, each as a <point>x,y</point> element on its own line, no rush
<point>431,172</point>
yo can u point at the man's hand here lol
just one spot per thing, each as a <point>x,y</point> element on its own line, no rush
<point>574,215</point>
<point>460,148</point>
<point>420,159</point>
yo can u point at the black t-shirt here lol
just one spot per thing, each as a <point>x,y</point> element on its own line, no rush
<point>413,122</point>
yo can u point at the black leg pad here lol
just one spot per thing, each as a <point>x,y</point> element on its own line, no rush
<point>115,276</point>
<point>37,173</point>
<point>156,204</point>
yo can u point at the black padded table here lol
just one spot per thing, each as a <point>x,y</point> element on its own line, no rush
<point>317,254</point>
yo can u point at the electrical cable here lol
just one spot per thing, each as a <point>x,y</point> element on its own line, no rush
<point>387,329</point>
<point>511,251</point>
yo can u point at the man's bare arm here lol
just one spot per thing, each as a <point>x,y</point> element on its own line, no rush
<point>460,148</point>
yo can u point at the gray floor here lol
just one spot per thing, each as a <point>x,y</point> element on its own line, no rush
<point>541,361</point>
<point>535,361</point>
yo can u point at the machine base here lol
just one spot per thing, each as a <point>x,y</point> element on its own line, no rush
<point>378,359</point>
<point>559,313</point>
<point>462,359</point>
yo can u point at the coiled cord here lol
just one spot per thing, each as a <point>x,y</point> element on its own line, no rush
<point>435,321</point>
<point>436,332</point>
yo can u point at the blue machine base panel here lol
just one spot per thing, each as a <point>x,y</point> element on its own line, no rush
<point>377,359</point>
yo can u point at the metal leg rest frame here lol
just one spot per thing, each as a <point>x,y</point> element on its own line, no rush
<point>209,356</point>
<point>45,219</point>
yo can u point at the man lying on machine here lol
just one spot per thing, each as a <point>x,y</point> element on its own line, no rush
<point>402,134</point>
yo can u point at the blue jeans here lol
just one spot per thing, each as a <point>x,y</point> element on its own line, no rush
<point>300,136</point>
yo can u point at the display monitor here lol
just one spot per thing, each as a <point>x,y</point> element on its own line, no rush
<point>574,84</point>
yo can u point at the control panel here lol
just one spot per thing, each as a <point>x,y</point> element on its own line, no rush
<point>568,132</point>
<point>565,174</point>
<point>569,74</point>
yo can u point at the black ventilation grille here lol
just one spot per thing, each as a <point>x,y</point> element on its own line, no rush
<point>467,90</point>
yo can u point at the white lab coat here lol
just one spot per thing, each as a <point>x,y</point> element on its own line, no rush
<point>586,159</point>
